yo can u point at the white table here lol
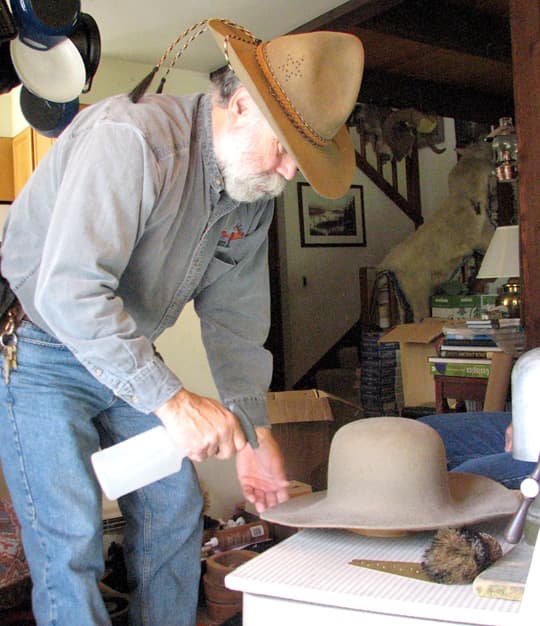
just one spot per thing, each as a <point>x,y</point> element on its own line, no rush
<point>308,579</point>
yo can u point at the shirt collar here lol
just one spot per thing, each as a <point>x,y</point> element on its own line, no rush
<point>205,132</point>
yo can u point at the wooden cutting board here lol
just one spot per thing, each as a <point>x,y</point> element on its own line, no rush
<point>506,578</point>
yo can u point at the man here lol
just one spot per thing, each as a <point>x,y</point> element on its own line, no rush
<point>127,218</point>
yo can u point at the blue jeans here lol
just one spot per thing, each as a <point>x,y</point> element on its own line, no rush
<point>474,443</point>
<point>53,415</point>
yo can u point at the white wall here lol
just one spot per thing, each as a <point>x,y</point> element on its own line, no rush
<point>5,116</point>
<point>320,286</point>
<point>11,118</point>
<point>115,76</point>
<point>434,169</point>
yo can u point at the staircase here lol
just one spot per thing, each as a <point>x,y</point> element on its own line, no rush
<point>338,371</point>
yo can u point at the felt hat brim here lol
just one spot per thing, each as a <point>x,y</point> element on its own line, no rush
<point>473,499</point>
<point>328,168</point>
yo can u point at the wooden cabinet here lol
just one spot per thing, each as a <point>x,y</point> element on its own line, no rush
<point>23,159</point>
<point>29,147</point>
<point>40,145</point>
<point>6,170</point>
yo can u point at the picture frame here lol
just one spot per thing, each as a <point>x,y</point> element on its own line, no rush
<point>326,222</point>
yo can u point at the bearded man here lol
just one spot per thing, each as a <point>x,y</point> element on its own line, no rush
<point>128,218</point>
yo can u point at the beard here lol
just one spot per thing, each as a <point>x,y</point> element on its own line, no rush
<point>237,156</point>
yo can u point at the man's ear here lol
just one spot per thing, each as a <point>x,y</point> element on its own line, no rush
<point>241,107</point>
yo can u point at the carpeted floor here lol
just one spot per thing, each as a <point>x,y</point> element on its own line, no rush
<point>22,616</point>
<point>18,616</point>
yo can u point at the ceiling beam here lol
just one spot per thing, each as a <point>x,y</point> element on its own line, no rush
<point>350,12</point>
<point>399,91</point>
<point>446,25</point>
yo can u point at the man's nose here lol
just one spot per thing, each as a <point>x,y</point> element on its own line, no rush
<point>286,167</point>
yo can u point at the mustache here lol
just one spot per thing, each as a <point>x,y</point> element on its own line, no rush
<point>255,187</point>
<point>273,184</point>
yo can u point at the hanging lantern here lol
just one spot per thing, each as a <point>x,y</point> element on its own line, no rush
<point>504,145</point>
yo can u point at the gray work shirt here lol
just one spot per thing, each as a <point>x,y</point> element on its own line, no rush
<point>124,221</point>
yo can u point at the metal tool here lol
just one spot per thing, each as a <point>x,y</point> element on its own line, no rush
<point>400,568</point>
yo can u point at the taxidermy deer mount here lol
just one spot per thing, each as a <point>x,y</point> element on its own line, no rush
<point>461,225</point>
<point>392,132</point>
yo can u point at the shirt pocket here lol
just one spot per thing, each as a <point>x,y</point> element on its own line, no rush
<point>215,270</point>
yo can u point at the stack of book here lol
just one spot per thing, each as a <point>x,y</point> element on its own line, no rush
<point>466,350</point>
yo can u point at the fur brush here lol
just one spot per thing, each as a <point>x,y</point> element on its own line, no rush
<point>457,555</point>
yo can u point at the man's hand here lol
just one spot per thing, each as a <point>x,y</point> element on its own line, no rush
<point>508,439</point>
<point>201,426</point>
<point>261,472</point>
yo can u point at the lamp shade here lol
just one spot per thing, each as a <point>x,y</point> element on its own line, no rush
<point>502,256</point>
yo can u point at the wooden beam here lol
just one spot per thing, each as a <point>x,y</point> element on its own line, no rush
<point>400,91</point>
<point>446,25</point>
<point>525,28</point>
<point>340,17</point>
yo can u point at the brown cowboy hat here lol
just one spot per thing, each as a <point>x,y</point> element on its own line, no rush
<point>388,474</point>
<point>306,86</point>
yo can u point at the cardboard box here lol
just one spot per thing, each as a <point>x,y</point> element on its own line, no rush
<point>303,424</point>
<point>417,342</point>
<point>462,307</point>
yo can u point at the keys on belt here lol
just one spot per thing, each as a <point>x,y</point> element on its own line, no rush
<point>8,344</point>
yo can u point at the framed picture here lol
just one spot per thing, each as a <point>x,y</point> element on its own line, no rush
<point>325,222</point>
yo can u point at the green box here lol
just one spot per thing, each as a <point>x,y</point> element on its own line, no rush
<point>462,307</point>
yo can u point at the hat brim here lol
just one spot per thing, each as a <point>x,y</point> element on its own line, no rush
<point>473,499</point>
<point>330,168</point>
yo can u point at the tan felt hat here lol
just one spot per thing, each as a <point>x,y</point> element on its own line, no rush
<point>306,85</point>
<point>388,474</point>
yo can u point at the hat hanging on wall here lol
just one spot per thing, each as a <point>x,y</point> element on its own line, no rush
<point>54,50</point>
<point>48,118</point>
<point>387,475</point>
<point>87,40</point>
<point>42,24</point>
<point>8,76</point>
<point>8,30</point>
<point>57,74</point>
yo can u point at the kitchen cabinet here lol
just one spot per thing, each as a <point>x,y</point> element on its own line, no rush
<point>29,147</point>
<point>23,159</point>
<point>6,170</point>
<point>40,146</point>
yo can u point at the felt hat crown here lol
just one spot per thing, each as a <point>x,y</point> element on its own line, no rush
<point>306,85</point>
<point>389,474</point>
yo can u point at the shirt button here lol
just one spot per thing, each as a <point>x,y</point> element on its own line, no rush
<point>98,372</point>
<point>134,399</point>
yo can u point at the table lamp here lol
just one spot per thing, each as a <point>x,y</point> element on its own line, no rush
<point>502,261</point>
